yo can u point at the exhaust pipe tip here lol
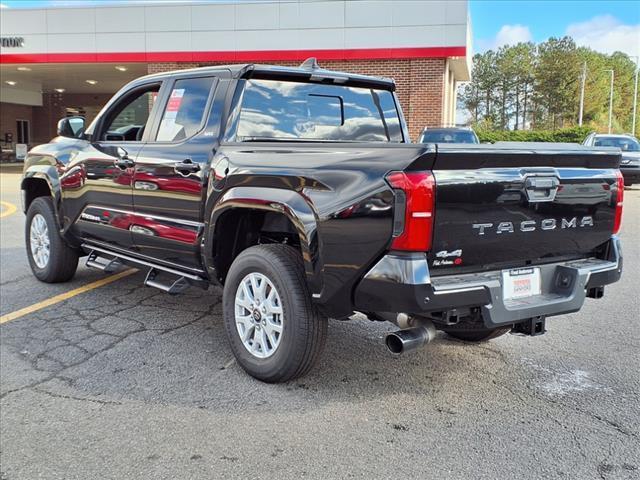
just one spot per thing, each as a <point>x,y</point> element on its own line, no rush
<point>394,343</point>
<point>409,339</point>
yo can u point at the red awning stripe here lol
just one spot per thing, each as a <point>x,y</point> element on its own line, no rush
<point>236,56</point>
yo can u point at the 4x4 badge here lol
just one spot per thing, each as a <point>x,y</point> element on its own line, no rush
<point>447,254</point>
<point>443,257</point>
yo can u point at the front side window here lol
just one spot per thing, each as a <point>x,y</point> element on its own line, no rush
<point>128,118</point>
<point>281,110</point>
<point>184,112</point>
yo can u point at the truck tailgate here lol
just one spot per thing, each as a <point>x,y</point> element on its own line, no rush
<point>504,206</point>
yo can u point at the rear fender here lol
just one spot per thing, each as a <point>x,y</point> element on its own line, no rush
<point>292,205</point>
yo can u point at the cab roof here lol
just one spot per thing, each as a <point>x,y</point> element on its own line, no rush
<point>309,71</point>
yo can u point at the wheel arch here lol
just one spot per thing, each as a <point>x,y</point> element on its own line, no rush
<point>271,210</point>
<point>40,181</point>
<point>42,164</point>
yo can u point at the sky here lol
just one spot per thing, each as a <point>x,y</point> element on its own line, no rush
<point>604,25</point>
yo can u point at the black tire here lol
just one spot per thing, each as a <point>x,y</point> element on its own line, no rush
<point>63,260</point>
<point>482,335</point>
<point>304,329</point>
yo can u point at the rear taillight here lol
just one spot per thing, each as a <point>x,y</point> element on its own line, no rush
<point>413,210</point>
<point>619,197</point>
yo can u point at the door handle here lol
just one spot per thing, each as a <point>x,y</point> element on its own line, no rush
<point>123,160</point>
<point>124,163</point>
<point>186,167</point>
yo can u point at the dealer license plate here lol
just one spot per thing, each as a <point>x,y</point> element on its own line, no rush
<point>521,283</point>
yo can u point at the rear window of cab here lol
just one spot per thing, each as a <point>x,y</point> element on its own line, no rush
<point>284,110</point>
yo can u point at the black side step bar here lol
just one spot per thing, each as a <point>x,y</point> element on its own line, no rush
<point>177,286</point>
<point>107,265</point>
<point>97,259</point>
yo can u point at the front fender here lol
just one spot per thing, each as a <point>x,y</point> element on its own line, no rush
<point>49,162</point>
<point>291,204</point>
<point>42,168</point>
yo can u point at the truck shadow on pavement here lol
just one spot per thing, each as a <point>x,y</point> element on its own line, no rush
<point>125,342</point>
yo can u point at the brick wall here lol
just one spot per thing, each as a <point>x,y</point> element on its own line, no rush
<point>54,105</point>
<point>420,84</point>
<point>9,113</point>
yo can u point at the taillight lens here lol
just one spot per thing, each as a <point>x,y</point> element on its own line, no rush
<point>619,197</point>
<point>413,210</point>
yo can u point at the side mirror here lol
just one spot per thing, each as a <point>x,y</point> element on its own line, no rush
<point>71,127</point>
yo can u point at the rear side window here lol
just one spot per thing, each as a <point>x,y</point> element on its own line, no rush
<point>184,112</point>
<point>306,111</point>
<point>448,137</point>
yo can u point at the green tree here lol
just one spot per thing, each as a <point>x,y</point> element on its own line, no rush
<point>524,55</point>
<point>557,74</point>
<point>506,63</point>
<point>624,69</point>
<point>485,65</point>
<point>536,87</point>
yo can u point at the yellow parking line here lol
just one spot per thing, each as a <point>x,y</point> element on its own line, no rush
<point>65,296</point>
<point>10,209</point>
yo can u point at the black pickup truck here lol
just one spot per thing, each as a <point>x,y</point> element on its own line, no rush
<point>299,191</point>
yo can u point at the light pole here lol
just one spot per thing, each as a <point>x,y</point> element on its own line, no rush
<point>584,78</point>
<point>610,100</point>
<point>635,97</point>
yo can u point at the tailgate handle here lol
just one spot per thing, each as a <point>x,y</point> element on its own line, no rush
<point>541,189</point>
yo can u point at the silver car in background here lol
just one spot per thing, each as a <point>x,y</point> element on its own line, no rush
<point>630,147</point>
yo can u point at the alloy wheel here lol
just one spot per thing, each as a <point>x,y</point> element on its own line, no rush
<point>39,241</point>
<point>258,314</point>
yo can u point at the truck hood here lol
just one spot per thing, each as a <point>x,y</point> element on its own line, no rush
<point>61,149</point>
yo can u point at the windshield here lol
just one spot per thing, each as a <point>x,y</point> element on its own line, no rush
<point>626,144</point>
<point>440,136</point>
<point>289,111</point>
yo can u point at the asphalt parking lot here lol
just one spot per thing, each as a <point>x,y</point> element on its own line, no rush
<point>122,381</point>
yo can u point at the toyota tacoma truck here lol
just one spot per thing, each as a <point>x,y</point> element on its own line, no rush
<point>299,192</point>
